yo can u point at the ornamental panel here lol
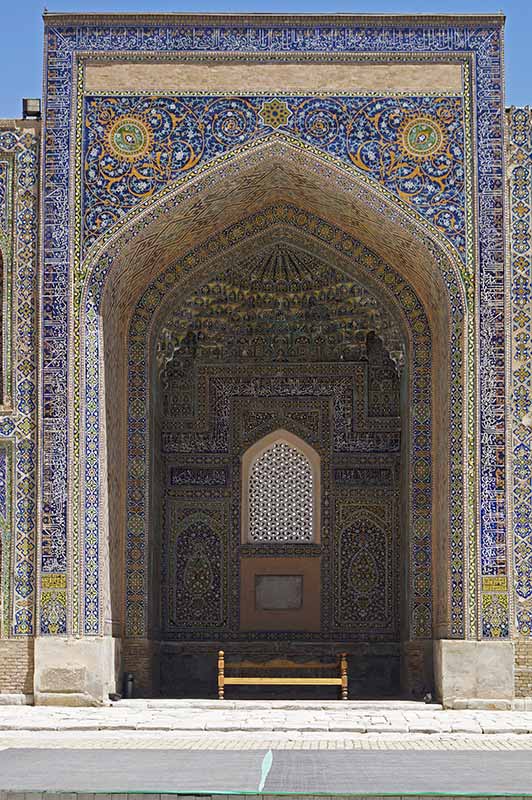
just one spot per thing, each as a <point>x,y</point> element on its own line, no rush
<point>19,178</point>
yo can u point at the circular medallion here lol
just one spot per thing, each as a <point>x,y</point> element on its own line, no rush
<point>421,137</point>
<point>129,138</point>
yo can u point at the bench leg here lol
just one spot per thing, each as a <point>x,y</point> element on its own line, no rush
<point>221,675</point>
<point>343,672</point>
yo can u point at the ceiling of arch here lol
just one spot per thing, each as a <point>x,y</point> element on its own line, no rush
<point>279,304</point>
<point>273,175</point>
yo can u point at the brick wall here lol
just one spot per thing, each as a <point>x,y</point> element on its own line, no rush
<point>16,666</point>
<point>523,668</point>
<point>141,657</point>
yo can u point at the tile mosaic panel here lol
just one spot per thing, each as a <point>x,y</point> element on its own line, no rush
<point>134,146</point>
<point>5,209</point>
<point>6,277</point>
<point>366,586</point>
<point>6,535</point>
<point>195,562</point>
<point>18,240</point>
<point>519,122</point>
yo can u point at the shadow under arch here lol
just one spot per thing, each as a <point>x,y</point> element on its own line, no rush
<point>372,275</point>
<point>192,215</point>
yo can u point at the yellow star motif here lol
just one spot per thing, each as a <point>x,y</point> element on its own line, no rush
<point>275,113</point>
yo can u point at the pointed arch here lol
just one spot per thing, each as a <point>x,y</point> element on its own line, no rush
<point>353,259</point>
<point>201,212</point>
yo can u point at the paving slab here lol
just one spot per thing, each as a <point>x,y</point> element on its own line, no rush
<point>250,716</point>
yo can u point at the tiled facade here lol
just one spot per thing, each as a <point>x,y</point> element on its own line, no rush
<point>154,175</point>
<point>19,171</point>
<point>519,181</point>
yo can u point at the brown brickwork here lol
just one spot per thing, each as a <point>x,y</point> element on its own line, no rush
<point>140,656</point>
<point>523,668</point>
<point>16,666</point>
<point>296,76</point>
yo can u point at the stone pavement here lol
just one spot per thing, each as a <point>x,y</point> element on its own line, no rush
<point>263,719</point>
<point>167,747</point>
<point>243,741</point>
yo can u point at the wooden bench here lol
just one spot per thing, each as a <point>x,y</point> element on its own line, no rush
<point>279,664</point>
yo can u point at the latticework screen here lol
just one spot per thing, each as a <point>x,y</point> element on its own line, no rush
<point>281,495</point>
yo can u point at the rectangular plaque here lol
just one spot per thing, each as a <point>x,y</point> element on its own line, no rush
<point>494,583</point>
<point>278,592</point>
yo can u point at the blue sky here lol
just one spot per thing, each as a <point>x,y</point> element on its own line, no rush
<point>21,33</point>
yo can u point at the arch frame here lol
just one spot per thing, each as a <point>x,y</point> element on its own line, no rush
<point>103,256</point>
<point>351,182</point>
<point>142,323</point>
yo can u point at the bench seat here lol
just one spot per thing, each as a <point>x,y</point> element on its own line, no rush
<point>263,676</point>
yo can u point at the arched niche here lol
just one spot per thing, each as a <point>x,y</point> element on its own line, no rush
<point>194,215</point>
<point>151,312</point>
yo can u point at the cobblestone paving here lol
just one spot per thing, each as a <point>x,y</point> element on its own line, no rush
<point>162,740</point>
<point>196,724</point>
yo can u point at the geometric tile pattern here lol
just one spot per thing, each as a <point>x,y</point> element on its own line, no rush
<point>520,190</point>
<point>19,173</point>
<point>281,496</point>
<point>433,39</point>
